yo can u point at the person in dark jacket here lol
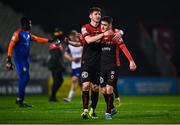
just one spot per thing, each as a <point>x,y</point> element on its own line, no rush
<point>55,64</point>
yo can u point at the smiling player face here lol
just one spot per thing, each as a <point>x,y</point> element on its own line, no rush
<point>95,16</point>
<point>105,26</point>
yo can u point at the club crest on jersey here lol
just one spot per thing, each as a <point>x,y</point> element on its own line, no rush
<point>84,74</point>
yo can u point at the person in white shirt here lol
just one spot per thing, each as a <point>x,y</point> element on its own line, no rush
<point>73,54</point>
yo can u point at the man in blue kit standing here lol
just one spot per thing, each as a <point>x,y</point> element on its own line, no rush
<point>19,46</point>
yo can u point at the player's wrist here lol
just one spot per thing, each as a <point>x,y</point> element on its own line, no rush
<point>103,34</point>
<point>8,59</point>
<point>50,40</point>
<point>131,61</point>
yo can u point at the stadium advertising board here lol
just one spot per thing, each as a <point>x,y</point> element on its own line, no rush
<point>147,86</point>
<point>10,87</point>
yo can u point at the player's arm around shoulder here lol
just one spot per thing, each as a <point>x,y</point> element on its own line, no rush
<point>118,33</point>
<point>76,44</point>
<point>67,54</point>
<point>86,34</point>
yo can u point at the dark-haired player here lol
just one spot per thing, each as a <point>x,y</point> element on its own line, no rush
<point>110,62</point>
<point>90,68</point>
<point>20,44</point>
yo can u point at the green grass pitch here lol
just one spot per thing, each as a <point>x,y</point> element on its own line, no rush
<point>133,109</point>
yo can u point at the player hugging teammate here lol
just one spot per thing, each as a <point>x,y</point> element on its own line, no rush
<point>110,62</point>
<point>91,60</point>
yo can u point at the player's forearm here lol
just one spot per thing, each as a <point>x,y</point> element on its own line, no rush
<point>92,39</point>
<point>68,56</point>
<point>76,44</point>
<point>41,40</point>
<point>126,52</point>
<point>10,48</point>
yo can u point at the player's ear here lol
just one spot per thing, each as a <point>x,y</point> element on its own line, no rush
<point>110,25</point>
<point>90,16</point>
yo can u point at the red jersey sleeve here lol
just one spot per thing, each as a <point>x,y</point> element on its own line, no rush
<point>123,47</point>
<point>85,31</point>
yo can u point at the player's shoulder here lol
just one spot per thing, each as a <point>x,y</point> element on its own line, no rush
<point>85,29</point>
<point>16,32</point>
<point>86,25</point>
<point>15,35</point>
<point>118,30</point>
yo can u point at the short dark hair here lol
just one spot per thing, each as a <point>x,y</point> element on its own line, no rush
<point>107,19</point>
<point>25,20</point>
<point>92,9</point>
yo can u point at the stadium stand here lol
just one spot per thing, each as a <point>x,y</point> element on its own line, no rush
<point>9,21</point>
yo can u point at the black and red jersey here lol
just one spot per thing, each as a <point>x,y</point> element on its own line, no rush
<point>92,51</point>
<point>110,53</point>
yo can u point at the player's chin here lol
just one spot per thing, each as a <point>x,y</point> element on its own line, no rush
<point>133,69</point>
<point>97,20</point>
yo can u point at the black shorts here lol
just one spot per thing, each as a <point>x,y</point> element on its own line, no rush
<point>90,74</point>
<point>108,77</point>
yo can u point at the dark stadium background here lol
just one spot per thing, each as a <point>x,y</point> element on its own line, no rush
<point>149,95</point>
<point>137,18</point>
<point>127,14</point>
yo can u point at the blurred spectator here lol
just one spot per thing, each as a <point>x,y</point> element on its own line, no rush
<point>1,50</point>
<point>55,64</point>
<point>73,54</point>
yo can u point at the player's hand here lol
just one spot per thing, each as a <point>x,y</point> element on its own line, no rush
<point>55,41</point>
<point>66,40</point>
<point>9,64</point>
<point>118,35</point>
<point>108,33</point>
<point>132,66</point>
<point>76,59</point>
<point>79,35</point>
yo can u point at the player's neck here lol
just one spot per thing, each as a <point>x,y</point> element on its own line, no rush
<point>94,24</point>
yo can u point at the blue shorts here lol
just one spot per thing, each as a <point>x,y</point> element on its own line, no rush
<point>76,72</point>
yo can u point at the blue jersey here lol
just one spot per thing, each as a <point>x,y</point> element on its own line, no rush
<point>22,48</point>
<point>20,44</point>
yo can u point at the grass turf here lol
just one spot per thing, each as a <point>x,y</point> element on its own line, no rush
<point>133,109</point>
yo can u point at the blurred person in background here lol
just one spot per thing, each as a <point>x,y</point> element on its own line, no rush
<point>55,64</point>
<point>73,54</point>
<point>20,45</point>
